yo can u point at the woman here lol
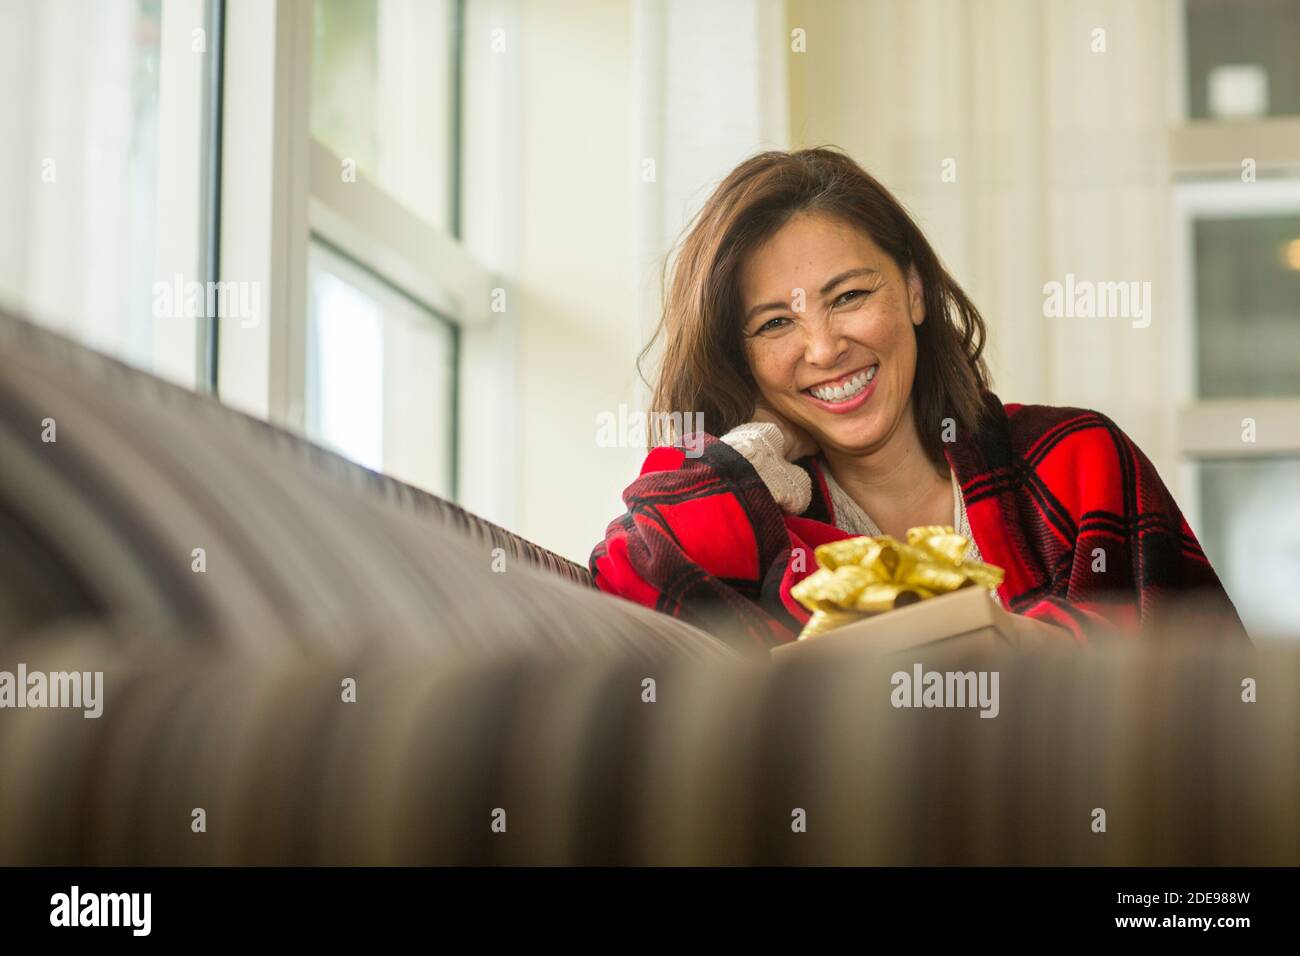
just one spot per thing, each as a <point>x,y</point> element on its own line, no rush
<point>839,372</point>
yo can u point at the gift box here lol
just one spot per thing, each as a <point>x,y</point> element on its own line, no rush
<point>883,595</point>
<point>969,615</point>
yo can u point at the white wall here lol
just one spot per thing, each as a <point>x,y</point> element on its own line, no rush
<point>575,298</point>
<point>607,85</point>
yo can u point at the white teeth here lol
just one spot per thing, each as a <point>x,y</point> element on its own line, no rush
<point>841,393</point>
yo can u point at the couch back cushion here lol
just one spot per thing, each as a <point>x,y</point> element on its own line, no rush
<point>587,771</point>
<point>123,496</point>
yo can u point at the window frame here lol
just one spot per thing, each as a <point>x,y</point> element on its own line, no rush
<point>188,154</point>
<point>1211,428</point>
<point>283,190</point>
<point>1205,167</point>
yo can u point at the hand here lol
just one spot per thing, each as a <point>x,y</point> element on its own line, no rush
<point>798,443</point>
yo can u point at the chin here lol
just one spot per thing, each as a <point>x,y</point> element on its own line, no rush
<point>849,438</point>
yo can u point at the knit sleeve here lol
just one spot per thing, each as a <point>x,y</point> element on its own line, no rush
<point>763,446</point>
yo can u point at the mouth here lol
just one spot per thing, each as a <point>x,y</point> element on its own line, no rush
<point>846,393</point>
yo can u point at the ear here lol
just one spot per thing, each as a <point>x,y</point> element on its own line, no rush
<point>915,295</point>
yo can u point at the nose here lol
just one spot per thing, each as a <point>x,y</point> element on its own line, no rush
<point>824,343</point>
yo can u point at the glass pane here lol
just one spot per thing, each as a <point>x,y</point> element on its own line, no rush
<point>1241,58</point>
<point>1250,516</point>
<point>382,91</point>
<point>347,341</point>
<point>1248,306</point>
<point>78,171</point>
<point>380,375</point>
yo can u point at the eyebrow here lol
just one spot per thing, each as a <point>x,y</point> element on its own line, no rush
<point>830,284</point>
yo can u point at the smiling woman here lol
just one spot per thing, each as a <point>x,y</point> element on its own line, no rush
<point>840,377</point>
<point>838,370</point>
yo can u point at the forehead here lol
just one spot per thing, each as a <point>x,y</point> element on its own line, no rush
<point>803,253</point>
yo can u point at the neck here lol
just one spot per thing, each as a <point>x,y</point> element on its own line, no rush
<point>896,483</point>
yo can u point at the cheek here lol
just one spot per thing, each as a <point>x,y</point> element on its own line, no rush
<point>771,370</point>
<point>884,329</point>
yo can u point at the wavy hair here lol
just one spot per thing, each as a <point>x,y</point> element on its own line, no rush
<point>703,368</point>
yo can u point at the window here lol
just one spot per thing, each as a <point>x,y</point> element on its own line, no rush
<point>336,231</point>
<point>1241,58</point>
<point>350,120</point>
<point>1241,423</point>
<point>383,95</point>
<point>1236,151</point>
<point>1251,521</point>
<point>381,360</point>
<point>380,375</point>
<point>1247,291</point>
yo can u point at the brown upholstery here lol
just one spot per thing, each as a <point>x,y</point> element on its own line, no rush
<point>297,541</point>
<point>589,772</point>
<point>524,690</point>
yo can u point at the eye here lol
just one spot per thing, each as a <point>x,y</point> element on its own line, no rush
<point>853,295</point>
<point>768,326</point>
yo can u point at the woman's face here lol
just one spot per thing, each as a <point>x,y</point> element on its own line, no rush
<point>829,332</point>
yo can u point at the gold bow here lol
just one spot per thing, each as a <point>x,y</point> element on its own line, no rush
<point>860,576</point>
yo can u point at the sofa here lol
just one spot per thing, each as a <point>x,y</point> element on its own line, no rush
<point>306,662</point>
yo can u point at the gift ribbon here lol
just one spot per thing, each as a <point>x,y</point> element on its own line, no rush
<point>858,577</point>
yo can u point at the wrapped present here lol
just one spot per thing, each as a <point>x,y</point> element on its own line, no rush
<point>890,594</point>
<point>862,576</point>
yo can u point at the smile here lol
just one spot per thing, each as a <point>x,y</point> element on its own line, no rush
<point>846,393</point>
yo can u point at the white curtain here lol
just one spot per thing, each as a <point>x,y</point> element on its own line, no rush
<point>79,106</point>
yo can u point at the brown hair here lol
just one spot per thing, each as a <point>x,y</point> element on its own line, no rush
<point>704,369</point>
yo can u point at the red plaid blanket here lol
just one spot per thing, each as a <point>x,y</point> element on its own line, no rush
<point>1059,497</point>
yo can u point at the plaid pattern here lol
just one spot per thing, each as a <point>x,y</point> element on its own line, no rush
<point>1089,537</point>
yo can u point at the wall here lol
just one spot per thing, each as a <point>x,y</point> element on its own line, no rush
<point>631,113</point>
<point>576,294</point>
